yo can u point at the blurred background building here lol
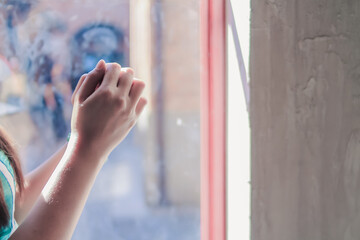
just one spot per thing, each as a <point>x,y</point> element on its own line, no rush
<point>149,188</point>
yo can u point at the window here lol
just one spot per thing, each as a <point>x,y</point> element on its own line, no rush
<point>168,179</point>
<point>150,186</point>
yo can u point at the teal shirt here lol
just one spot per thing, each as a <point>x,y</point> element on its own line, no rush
<point>9,187</point>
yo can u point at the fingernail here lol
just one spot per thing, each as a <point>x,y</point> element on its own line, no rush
<point>99,64</point>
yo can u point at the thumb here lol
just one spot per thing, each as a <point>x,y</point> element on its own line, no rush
<point>92,80</point>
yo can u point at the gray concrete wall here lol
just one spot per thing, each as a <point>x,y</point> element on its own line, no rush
<point>305,119</point>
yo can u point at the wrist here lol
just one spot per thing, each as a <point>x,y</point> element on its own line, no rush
<point>87,149</point>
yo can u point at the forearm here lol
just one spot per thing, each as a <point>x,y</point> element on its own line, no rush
<point>34,184</point>
<point>107,104</point>
<point>59,207</point>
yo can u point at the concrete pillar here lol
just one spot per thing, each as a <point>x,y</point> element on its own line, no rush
<point>305,119</point>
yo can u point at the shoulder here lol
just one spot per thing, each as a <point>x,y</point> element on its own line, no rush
<point>8,184</point>
<point>7,172</point>
<point>5,165</point>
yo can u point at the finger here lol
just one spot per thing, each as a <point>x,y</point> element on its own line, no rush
<point>140,106</point>
<point>112,74</point>
<point>125,80</point>
<point>82,78</point>
<point>136,90</point>
<point>92,80</point>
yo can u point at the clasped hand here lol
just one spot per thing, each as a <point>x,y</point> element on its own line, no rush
<point>107,103</point>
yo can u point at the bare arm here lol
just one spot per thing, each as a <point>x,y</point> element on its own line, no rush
<point>101,119</point>
<point>34,184</point>
<point>59,207</point>
<point>35,181</point>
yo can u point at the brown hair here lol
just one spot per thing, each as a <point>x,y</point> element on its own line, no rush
<point>7,147</point>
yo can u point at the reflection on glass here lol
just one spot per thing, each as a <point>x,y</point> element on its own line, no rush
<point>149,188</point>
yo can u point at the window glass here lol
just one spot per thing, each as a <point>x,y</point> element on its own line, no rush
<point>150,186</point>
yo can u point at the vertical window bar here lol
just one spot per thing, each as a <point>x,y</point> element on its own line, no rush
<point>213,114</point>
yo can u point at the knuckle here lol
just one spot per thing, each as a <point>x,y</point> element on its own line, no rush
<point>106,93</point>
<point>129,71</point>
<point>125,79</point>
<point>114,67</point>
<point>119,102</point>
<point>127,76</point>
<point>141,85</point>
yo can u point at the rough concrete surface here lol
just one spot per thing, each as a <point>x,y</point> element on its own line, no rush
<point>305,119</point>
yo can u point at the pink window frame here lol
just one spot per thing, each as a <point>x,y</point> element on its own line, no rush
<point>213,119</point>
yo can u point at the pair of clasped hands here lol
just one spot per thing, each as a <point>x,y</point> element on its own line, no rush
<point>107,103</point>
